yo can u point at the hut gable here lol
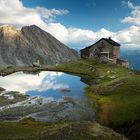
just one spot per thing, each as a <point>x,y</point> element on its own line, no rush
<point>112,42</point>
<point>104,47</point>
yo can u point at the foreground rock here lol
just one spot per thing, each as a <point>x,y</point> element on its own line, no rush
<point>83,131</point>
<point>46,110</point>
<point>28,129</point>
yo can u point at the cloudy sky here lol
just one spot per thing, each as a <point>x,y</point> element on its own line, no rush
<point>78,23</point>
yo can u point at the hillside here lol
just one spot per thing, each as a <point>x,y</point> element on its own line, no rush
<point>25,46</point>
<point>113,92</point>
<point>28,129</point>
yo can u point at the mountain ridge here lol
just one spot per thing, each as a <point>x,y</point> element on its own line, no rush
<point>31,43</point>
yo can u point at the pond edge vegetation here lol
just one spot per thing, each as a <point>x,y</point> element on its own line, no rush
<point>114,95</point>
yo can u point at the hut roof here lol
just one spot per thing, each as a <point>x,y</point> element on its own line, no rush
<point>109,40</point>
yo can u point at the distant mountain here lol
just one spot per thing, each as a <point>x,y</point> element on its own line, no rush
<point>133,56</point>
<point>23,47</point>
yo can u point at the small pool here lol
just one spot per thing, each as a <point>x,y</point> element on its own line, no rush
<point>53,96</point>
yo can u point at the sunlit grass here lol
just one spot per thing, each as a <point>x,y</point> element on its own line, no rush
<point>117,105</point>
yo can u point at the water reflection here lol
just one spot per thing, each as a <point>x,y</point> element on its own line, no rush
<point>48,84</point>
<point>54,96</point>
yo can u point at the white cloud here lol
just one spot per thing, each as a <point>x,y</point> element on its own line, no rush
<point>86,37</point>
<point>50,14</point>
<point>14,12</point>
<point>134,17</point>
<point>129,37</point>
<point>76,36</point>
<point>58,30</point>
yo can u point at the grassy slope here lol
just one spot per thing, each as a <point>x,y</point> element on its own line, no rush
<point>119,107</point>
<point>117,104</point>
<point>30,130</point>
<point>117,100</point>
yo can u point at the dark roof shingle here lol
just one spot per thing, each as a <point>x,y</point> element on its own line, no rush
<point>109,40</point>
<point>112,42</point>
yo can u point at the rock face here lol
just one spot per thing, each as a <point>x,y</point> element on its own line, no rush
<point>25,46</point>
<point>81,131</point>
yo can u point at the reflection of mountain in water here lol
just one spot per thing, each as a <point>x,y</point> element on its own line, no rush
<point>47,109</point>
<point>47,100</point>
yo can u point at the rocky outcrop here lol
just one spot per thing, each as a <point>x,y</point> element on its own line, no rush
<point>81,131</point>
<point>25,46</point>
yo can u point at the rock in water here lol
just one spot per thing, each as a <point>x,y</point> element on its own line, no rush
<point>25,46</point>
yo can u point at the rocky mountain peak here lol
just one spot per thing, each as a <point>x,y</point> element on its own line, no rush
<point>31,43</point>
<point>9,30</point>
<point>31,27</point>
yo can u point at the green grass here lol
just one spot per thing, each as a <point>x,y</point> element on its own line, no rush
<point>91,69</point>
<point>115,100</point>
<point>28,129</point>
<point>118,101</point>
<point>76,67</point>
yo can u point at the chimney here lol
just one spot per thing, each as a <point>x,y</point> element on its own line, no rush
<point>109,38</point>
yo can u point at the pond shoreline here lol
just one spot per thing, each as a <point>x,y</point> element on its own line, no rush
<point>79,68</point>
<point>52,96</point>
<point>31,69</point>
